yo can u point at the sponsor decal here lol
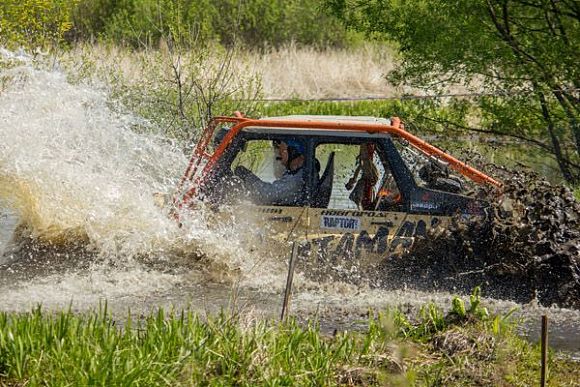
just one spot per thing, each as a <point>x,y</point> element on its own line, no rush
<point>269,210</point>
<point>424,206</point>
<point>373,214</point>
<point>347,223</point>
<point>384,242</point>
<point>342,213</point>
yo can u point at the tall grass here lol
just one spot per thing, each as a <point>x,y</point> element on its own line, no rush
<point>287,72</point>
<point>165,349</point>
<point>179,89</point>
<point>293,72</point>
<point>179,348</point>
<point>376,108</point>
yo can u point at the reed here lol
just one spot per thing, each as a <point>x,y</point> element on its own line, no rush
<point>286,72</point>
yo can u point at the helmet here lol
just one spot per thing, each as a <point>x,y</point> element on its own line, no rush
<point>298,146</point>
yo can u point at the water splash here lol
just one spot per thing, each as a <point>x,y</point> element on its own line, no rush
<point>77,172</point>
<point>73,167</point>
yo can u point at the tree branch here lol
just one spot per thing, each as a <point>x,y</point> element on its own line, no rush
<point>575,13</point>
<point>555,142</point>
<point>574,7</point>
<point>532,141</point>
<point>560,24</point>
<point>507,37</point>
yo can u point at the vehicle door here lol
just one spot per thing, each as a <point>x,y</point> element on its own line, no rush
<point>343,230</point>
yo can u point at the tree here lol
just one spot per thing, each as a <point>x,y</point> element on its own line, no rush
<point>523,54</point>
<point>185,81</point>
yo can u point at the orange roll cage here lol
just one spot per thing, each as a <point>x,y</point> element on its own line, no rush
<point>240,122</point>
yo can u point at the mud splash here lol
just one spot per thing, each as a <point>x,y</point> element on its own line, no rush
<point>79,221</point>
<point>529,249</point>
<point>72,166</point>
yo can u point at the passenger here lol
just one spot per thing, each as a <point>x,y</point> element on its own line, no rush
<point>363,194</point>
<point>287,190</point>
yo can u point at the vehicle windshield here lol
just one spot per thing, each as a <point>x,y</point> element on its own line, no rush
<point>259,157</point>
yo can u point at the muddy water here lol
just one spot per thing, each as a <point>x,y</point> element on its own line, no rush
<point>8,223</point>
<point>77,279</point>
<point>79,225</point>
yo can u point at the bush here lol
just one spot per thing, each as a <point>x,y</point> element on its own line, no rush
<point>35,23</point>
<point>254,23</point>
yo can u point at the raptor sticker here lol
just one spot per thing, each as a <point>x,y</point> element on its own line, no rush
<point>345,223</point>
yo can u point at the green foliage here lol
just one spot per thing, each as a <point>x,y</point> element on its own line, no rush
<point>146,23</point>
<point>149,23</point>
<point>458,307</point>
<point>432,320</point>
<point>411,110</point>
<point>524,53</point>
<point>35,23</point>
<point>475,307</point>
<point>254,23</point>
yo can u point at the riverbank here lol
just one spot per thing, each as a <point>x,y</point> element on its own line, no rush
<point>466,346</point>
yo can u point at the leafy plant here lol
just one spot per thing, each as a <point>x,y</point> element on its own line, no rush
<point>35,23</point>
<point>458,307</point>
<point>520,55</point>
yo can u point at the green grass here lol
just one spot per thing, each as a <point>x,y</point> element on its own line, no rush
<point>466,346</point>
<point>373,108</point>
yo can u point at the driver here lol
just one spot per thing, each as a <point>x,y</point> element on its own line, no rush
<point>287,189</point>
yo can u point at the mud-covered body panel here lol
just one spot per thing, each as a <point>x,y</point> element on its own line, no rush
<point>369,237</point>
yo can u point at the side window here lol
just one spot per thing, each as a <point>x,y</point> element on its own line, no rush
<point>361,179</point>
<point>344,160</point>
<point>259,157</point>
<point>430,172</point>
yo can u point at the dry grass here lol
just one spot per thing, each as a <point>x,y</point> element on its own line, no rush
<point>289,72</point>
<point>309,73</point>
